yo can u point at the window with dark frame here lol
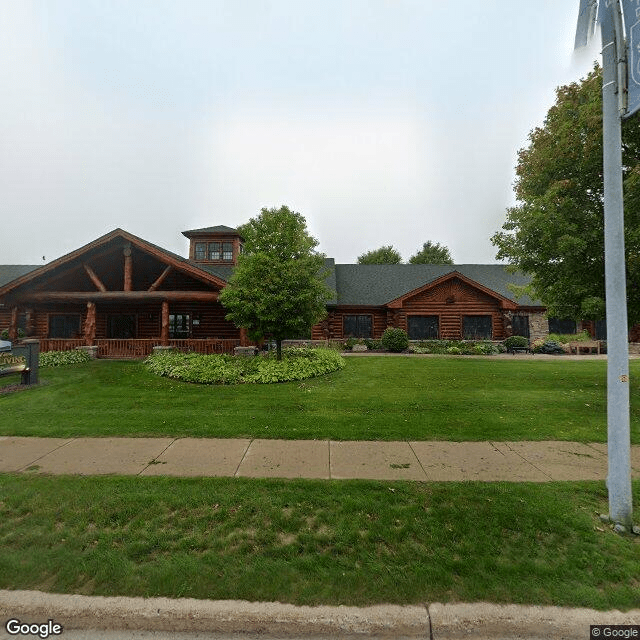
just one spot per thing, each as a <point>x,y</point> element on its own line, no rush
<point>200,252</point>
<point>65,326</point>
<point>557,325</point>
<point>357,326</point>
<point>423,327</point>
<point>477,328</point>
<point>214,251</point>
<point>520,326</point>
<point>227,251</point>
<point>179,326</point>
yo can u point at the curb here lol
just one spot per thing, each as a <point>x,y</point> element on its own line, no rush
<point>441,621</point>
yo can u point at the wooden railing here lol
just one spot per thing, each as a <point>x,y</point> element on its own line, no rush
<point>60,344</point>
<point>139,347</point>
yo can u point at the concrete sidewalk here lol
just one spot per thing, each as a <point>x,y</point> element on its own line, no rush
<point>320,459</point>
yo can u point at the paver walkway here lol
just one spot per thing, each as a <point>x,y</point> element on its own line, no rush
<point>324,459</point>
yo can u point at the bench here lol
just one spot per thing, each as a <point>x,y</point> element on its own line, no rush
<point>29,350</point>
<point>585,344</point>
<point>514,350</point>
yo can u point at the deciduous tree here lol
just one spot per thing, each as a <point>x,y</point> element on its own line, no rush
<point>432,253</point>
<point>278,288</point>
<point>555,232</point>
<point>383,255</point>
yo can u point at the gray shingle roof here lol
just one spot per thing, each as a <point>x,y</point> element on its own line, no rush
<point>377,284</point>
<point>9,272</point>
<point>221,228</point>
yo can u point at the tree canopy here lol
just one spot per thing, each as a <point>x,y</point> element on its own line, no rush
<point>383,255</point>
<point>555,232</point>
<point>278,288</point>
<point>432,253</point>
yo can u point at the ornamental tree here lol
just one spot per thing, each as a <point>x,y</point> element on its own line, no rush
<point>432,253</point>
<point>383,255</point>
<point>278,288</point>
<point>555,232</point>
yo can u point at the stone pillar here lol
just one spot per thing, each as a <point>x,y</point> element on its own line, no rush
<point>538,326</point>
<point>164,331</point>
<point>90,324</point>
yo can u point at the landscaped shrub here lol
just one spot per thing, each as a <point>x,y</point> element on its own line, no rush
<point>458,347</point>
<point>548,346</point>
<point>564,338</point>
<point>519,342</point>
<point>62,358</point>
<point>298,363</point>
<point>395,339</point>
<point>373,345</point>
<point>4,334</point>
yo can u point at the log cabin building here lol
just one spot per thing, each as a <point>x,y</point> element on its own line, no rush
<point>121,295</point>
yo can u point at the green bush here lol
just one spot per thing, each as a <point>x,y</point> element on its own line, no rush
<point>395,339</point>
<point>373,345</point>
<point>4,334</point>
<point>548,346</point>
<point>62,358</point>
<point>298,363</point>
<point>564,338</point>
<point>516,342</point>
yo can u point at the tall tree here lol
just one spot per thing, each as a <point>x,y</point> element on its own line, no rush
<point>278,288</point>
<point>555,232</point>
<point>432,253</point>
<point>383,255</point>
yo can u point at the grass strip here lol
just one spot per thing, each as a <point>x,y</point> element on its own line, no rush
<point>373,398</point>
<point>313,542</point>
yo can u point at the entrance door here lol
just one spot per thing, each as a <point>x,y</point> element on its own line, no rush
<point>422,327</point>
<point>121,325</point>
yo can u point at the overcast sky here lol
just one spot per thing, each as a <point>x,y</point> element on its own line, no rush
<point>381,121</point>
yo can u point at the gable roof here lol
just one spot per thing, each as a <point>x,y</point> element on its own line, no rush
<point>379,284</point>
<point>220,229</point>
<point>168,257</point>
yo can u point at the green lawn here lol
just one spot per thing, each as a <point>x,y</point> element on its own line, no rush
<point>371,398</point>
<point>316,542</point>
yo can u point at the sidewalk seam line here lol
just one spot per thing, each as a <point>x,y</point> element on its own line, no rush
<point>44,455</point>
<point>426,606</point>
<point>415,455</point>
<point>244,455</point>
<point>528,461</point>
<point>153,459</point>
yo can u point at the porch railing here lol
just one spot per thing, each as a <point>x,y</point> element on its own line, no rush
<point>139,347</point>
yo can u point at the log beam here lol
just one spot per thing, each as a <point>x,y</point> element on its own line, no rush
<point>160,278</point>
<point>120,296</point>
<point>94,278</point>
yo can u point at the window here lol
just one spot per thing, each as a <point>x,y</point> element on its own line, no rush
<point>520,326</point>
<point>227,251</point>
<point>200,252</point>
<point>422,327</point>
<point>561,326</point>
<point>214,251</point>
<point>179,326</point>
<point>64,326</point>
<point>601,329</point>
<point>476,328</point>
<point>357,326</point>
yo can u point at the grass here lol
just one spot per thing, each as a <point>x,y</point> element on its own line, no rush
<point>371,398</point>
<point>314,542</point>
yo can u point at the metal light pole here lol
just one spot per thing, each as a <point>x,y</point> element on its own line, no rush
<point>614,99</point>
<point>618,429</point>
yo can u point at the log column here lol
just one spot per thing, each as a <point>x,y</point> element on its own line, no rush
<point>164,331</point>
<point>30,323</point>
<point>244,338</point>
<point>13,325</point>
<point>128,269</point>
<point>90,324</point>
